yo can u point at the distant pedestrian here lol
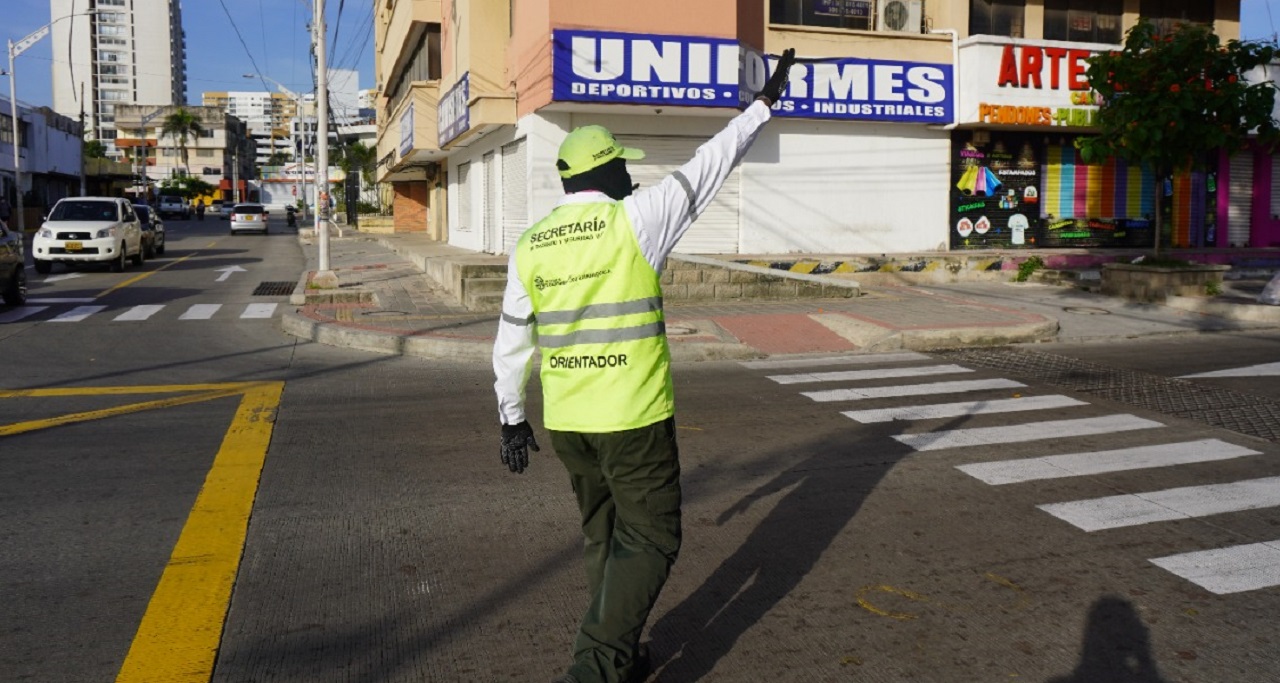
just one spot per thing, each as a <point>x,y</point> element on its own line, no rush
<point>200,210</point>
<point>583,284</point>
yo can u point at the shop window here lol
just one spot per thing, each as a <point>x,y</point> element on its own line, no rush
<point>850,14</point>
<point>997,17</point>
<point>1167,15</point>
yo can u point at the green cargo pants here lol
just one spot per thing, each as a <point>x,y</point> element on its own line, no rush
<point>628,489</point>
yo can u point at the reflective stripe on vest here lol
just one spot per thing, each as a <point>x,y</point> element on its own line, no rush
<point>597,305</point>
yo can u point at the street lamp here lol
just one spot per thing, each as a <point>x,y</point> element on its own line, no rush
<point>16,49</point>
<point>297,103</point>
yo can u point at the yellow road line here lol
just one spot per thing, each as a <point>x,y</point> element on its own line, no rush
<point>139,276</point>
<point>182,627</point>
<point>72,418</point>
<point>125,390</point>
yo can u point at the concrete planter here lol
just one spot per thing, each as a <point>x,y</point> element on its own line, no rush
<point>1138,282</point>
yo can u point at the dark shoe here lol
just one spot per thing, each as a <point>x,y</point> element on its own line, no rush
<point>643,666</point>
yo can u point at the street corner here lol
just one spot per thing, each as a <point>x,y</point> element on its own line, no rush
<point>784,333</point>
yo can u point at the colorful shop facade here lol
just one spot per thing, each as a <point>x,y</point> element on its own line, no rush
<point>1018,180</point>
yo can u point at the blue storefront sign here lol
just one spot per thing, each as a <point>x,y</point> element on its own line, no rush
<point>631,68</point>
<point>453,116</point>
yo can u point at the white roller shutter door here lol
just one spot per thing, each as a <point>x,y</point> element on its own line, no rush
<point>515,193</point>
<point>464,198</point>
<point>716,230</point>
<point>1240,200</point>
<point>491,237</point>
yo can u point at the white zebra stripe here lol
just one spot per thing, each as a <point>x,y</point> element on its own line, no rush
<point>258,311</point>
<point>928,412</point>
<point>1101,462</point>
<point>882,373</point>
<point>19,313</point>
<point>863,359</point>
<point>1113,512</point>
<point>77,314</point>
<point>62,300</point>
<point>911,390</point>
<point>1034,431</point>
<point>139,312</point>
<point>200,312</point>
<point>1228,570</point>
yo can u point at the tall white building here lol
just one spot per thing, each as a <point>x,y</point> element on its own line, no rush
<point>129,52</point>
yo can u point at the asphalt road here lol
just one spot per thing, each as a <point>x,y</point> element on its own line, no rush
<point>386,542</point>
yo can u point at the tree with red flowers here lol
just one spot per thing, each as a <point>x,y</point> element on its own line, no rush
<point>1173,101</point>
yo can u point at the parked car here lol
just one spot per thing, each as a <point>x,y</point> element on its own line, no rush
<point>13,271</point>
<point>152,229</point>
<point>89,230</point>
<point>224,210</point>
<point>172,205</point>
<point>249,218</point>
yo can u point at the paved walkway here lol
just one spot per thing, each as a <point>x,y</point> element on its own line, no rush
<point>395,307</point>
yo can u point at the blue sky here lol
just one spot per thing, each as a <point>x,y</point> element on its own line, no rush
<point>275,32</point>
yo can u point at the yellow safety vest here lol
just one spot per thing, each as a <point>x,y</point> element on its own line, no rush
<point>597,305</point>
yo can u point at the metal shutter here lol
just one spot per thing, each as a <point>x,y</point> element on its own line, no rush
<point>491,238</point>
<point>716,230</point>
<point>1240,200</point>
<point>464,197</point>
<point>515,193</point>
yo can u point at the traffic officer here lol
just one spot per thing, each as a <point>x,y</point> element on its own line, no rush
<point>583,285</point>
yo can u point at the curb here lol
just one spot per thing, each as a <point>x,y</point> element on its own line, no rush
<point>1243,312</point>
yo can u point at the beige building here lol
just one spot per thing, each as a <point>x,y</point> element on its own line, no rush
<point>864,155</point>
<point>222,152</point>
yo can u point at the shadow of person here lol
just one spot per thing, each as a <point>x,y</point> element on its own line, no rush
<point>831,478</point>
<point>1116,648</point>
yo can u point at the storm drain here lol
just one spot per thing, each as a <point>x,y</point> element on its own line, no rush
<point>1244,413</point>
<point>274,288</point>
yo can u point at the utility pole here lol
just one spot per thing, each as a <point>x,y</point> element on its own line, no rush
<point>235,175</point>
<point>324,275</point>
<point>83,191</point>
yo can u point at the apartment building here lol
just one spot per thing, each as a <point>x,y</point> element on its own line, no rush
<point>268,116</point>
<point>128,52</point>
<point>901,130</point>
<point>221,154</point>
<point>50,148</point>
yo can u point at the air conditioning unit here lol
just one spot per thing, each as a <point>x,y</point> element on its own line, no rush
<point>900,16</point>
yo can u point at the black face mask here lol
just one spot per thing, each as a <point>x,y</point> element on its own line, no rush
<point>610,178</point>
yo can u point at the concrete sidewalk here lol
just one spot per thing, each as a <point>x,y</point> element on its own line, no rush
<point>391,300</point>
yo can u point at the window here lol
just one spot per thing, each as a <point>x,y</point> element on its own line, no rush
<point>851,14</point>
<point>996,17</point>
<point>1086,21</point>
<point>424,65</point>
<point>204,152</point>
<point>1168,14</point>
<point>6,129</point>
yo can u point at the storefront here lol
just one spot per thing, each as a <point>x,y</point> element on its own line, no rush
<point>854,161</point>
<point>1018,180</point>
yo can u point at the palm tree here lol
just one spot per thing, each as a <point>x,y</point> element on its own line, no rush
<point>180,125</point>
<point>359,158</point>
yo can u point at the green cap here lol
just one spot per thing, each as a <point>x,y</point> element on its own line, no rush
<point>588,147</point>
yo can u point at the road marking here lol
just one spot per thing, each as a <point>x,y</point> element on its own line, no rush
<point>19,313</point>
<point>200,312</point>
<point>127,390</point>
<point>1228,570</point>
<point>1265,369</point>
<point>226,272</point>
<point>911,390</point>
<point>57,300</point>
<point>882,373</point>
<point>77,314</point>
<point>864,359</point>
<point>259,311</point>
<point>181,629</point>
<point>928,412</point>
<point>140,276</point>
<point>1101,462</point>
<point>72,418</point>
<point>140,312</point>
<point>1033,431</point>
<point>1113,512</point>
<point>64,276</point>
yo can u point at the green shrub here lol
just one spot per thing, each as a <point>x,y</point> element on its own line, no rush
<point>1027,267</point>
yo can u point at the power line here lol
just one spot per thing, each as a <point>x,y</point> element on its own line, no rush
<point>256,69</point>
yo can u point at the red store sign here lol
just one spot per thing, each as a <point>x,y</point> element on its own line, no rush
<point>1032,66</point>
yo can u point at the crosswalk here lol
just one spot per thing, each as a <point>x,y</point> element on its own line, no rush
<point>58,312</point>
<point>1233,569</point>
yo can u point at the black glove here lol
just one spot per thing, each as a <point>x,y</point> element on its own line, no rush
<point>517,439</point>
<point>778,81</point>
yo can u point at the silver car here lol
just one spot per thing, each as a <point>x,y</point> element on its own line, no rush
<point>249,218</point>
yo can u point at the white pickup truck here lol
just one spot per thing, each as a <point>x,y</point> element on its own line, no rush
<point>172,205</point>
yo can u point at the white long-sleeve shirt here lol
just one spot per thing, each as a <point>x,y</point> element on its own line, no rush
<point>660,216</point>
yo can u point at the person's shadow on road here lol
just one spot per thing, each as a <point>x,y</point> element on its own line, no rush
<point>1116,649</point>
